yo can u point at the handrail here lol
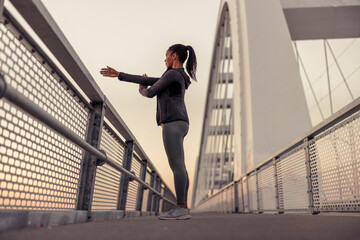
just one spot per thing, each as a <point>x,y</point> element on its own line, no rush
<point>40,20</point>
<point>333,120</point>
<point>29,107</point>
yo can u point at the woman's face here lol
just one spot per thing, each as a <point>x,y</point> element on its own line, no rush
<point>169,59</point>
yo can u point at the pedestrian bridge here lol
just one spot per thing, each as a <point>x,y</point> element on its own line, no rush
<point>71,168</point>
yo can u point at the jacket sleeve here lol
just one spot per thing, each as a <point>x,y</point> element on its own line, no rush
<point>146,81</point>
<point>167,79</point>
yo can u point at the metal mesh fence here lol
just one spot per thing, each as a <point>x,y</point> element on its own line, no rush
<point>133,185</point>
<point>29,75</point>
<point>267,191</point>
<point>39,169</point>
<point>329,176</point>
<point>146,193</point>
<point>222,202</point>
<point>335,164</point>
<point>107,181</point>
<point>253,206</point>
<point>161,202</point>
<point>167,206</point>
<point>230,194</point>
<point>246,194</point>
<point>226,201</point>
<point>240,196</point>
<point>292,181</point>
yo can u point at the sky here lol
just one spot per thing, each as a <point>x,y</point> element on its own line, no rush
<point>342,76</point>
<point>132,37</point>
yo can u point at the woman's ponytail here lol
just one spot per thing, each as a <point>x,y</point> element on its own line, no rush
<point>191,63</point>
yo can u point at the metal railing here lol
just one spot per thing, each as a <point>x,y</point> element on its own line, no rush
<point>60,149</point>
<point>319,172</point>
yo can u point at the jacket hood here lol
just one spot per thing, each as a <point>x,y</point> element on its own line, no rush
<point>186,77</point>
<point>187,80</point>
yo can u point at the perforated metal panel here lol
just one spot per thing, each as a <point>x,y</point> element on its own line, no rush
<point>165,204</point>
<point>292,181</point>
<point>230,199</point>
<point>133,186</point>
<point>107,180</point>
<point>30,75</point>
<point>227,200</point>
<point>161,202</point>
<point>267,191</point>
<point>218,204</point>
<point>335,164</point>
<point>246,195</point>
<point>330,182</point>
<point>39,169</point>
<point>146,192</point>
<point>222,201</point>
<point>253,206</point>
<point>240,196</point>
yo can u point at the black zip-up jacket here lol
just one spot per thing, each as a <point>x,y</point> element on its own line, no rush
<point>170,91</point>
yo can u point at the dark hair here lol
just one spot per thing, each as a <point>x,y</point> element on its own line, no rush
<point>181,51</point>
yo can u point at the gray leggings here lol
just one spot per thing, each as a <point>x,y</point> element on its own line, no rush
<point>173,136</point>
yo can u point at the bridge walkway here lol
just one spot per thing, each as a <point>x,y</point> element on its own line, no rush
<point>206,226</point>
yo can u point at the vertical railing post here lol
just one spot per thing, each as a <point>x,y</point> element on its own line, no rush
<point>151,194</point>
<point>257,190</point>
<point>236,203</point>
<point>163,209</point>
<point>154,196</point>
<point>89,162</point>
<point>157,202</point>
<point>248,193</point>
<point>124,182</point>
<point>141,187</point>
<point>309,176</point>
<point>277,195</point>
<point>170,197</point>
<point>242,194</point>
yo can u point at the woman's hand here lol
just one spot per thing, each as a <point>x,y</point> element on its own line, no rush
<point>143,86</point>
<point>109,72</point>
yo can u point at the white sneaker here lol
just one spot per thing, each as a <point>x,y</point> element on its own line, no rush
<point>177,213</point>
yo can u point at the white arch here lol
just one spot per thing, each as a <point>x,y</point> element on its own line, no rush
<point>269,106</point>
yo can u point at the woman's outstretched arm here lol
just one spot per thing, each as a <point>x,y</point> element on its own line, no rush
<point>168,78</point>
<point>143,80</point>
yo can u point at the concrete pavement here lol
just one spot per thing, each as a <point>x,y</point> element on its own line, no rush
<point>206,226</point>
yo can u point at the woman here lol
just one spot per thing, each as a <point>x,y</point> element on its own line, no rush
<point>171,114</point>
